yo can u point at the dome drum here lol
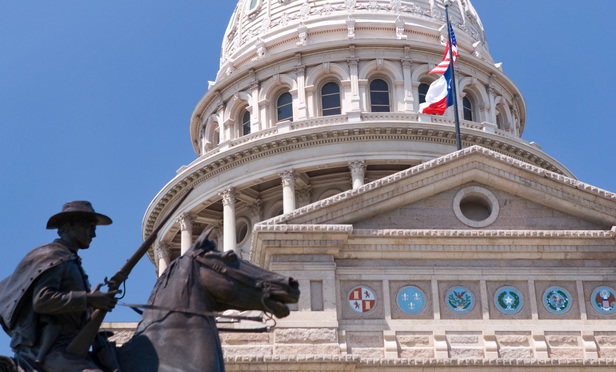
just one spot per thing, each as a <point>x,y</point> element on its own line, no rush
<point>495,98</point>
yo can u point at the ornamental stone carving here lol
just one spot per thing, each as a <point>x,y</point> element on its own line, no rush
<point>288,178</point>
<point>186,222</point>
<point>400,29</point>
<point>350,27</point>
<point>396,5</point>
<point>302,31</point>
<point>163,251</point>
<point>350,5</point>
<point>228,196</point>
<point>305,10</point>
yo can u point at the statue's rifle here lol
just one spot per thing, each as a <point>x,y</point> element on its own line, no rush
<point>84,339</point>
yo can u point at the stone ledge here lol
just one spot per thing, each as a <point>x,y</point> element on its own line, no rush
<point>299,359</point>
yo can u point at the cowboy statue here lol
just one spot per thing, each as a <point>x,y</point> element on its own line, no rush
<point>47,300</point>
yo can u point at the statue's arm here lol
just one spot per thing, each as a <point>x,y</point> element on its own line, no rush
<point>50,298</point>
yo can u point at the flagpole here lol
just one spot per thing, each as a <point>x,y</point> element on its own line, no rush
<point>453,76</point>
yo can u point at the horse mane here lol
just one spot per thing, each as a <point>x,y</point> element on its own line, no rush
<point>181,274</point>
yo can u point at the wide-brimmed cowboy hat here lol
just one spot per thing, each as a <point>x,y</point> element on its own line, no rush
<point>77,210</point>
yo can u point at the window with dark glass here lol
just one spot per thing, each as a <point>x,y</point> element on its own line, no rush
<point>467,108</point>
<point>379,96</point>
<point>246,123</point>
<point>423,90</point>
<point>330,99</point>
<point>253,4</point>
<point>284,107</point>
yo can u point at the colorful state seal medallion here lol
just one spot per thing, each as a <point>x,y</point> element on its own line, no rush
<point>362,299</point>
<point>557,300</point>
<point>411,300</point>
<point>604,300</point>
<point>460,300</point>
<point>508,300</point>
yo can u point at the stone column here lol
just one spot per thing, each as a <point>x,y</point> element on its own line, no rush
<point>302,109</point>
<point>358,172</point>
<point>162,252</point>
<point>186,228</point>
<point>228,218</point>
<point>409,98</point>
<point>288,190</point>
<point>218,232</point>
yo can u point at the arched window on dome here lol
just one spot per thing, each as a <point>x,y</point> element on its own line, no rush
<point>422,90</point>
<point>330,99</point>
<point>379,96</point>
<point>284,107</point>
<point>245,130</point>
<point>252,5</point>
<point>467,109</point>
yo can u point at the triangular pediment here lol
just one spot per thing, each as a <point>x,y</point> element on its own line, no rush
<point>423,197</point>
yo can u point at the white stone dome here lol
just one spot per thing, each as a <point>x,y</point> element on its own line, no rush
<point>258,27</point>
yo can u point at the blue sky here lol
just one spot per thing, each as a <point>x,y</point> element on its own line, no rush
<point>95,98</point>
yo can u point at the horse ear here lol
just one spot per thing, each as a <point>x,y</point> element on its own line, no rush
<point>203,241</point>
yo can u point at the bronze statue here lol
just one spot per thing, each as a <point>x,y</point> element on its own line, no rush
<point>47,300</point>
<point>177,331</point>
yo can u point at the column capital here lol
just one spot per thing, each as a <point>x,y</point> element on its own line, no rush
<point>186,221</point>
<point>228,196</point>
<point>288,178</point>
<point>358,172</point>
<point>162,251</point>
<point>357,167</point>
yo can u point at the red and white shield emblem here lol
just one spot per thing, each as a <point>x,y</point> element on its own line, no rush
<point>362,299</point>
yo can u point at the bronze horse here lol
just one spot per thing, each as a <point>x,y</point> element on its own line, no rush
<point>196,284</point>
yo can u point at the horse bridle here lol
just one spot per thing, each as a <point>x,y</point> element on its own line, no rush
<point>264,285</point>
<point>238,276</point>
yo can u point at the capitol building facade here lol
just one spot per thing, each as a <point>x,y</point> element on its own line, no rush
<point>312,160</point>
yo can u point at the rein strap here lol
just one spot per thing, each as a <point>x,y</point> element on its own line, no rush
<point>136,307</point>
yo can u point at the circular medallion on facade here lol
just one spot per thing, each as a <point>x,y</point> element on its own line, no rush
<point>603,300</point>
<point>557,300</point>
<point>460,299</point>
<point>508,300</point>
<point>362,299</point>
<point>411,300</point>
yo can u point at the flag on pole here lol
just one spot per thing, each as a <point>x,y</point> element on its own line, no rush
<point>440,93</point>
<point>441,67</point>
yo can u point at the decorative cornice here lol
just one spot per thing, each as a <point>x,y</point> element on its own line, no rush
<point>420,362</point>
<point>302,228</point>
<point>261,146</point>
<point>560,234</point>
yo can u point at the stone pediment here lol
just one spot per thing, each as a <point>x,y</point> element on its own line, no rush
<point>463,190</point>
<point>411,214</point>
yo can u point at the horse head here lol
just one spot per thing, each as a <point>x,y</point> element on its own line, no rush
<point>234,283</point>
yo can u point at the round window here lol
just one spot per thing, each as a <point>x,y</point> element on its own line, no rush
<point>242,230</point>
<point>475,206</point>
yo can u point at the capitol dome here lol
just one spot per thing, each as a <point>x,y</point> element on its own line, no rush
<point>313,160</point>
<point>328,93</point>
